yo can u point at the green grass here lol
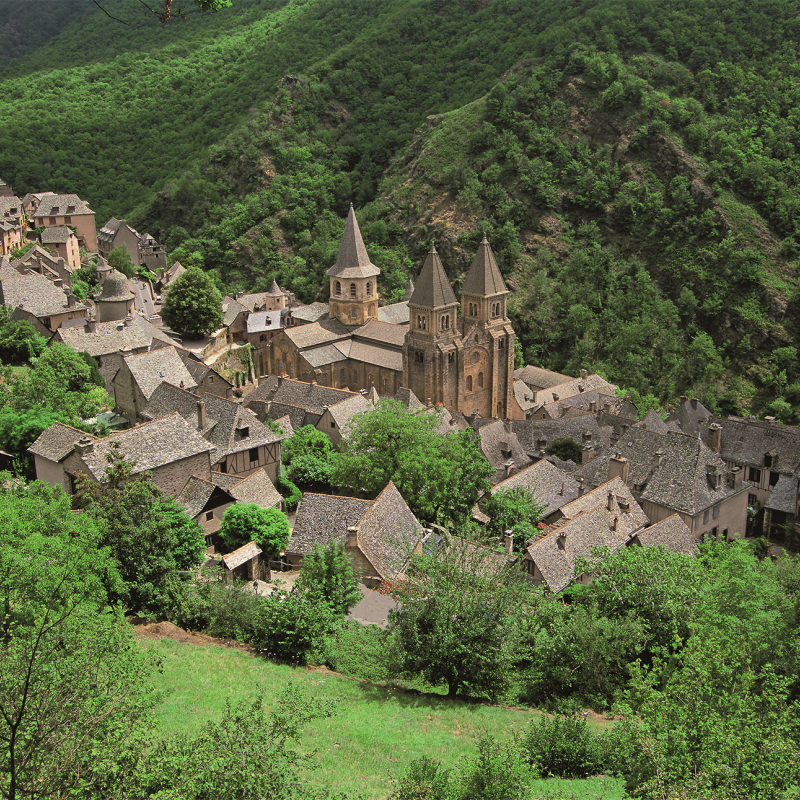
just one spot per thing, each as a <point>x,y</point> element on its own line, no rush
<point>377,731</point>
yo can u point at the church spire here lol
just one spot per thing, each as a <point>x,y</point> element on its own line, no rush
<point>353,261</point>
<point>484,278</point>
<point>433,290</point>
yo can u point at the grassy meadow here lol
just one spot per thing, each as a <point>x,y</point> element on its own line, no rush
<point>368,744</point>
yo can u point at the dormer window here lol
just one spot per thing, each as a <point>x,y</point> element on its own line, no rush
<point>244,433</point>
<point>70,209</point>
<point>54,210</point>
<point>768,459</point>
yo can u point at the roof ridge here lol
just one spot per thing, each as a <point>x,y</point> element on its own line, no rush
<point>484,278</point>
<point>432,289</point>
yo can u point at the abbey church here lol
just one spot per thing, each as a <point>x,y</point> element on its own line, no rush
<point>464,361</point>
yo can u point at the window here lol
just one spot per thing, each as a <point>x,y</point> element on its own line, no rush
<point>773,478</point>
<point>211,379</point>
<point>445,322</point>
<point>343,377</point>
<point>369,289</point>
<point>715,511</point>
<point>338,287</point>
<point>323,380</point>
<point>713,532</point>
<point>755,475</point>
<point>422,322</point>
<point>469,383</point>
<point>355,376</point>
<point>333,424</point>
<point>352,290</point>
<point>223,467</point>
<point>501,345</point>
<point>419,356</point>
<point>768,459</point>
<point>480,380</point>
<point>353,312</point>
<point>51,220</point>
<point>752,499</point>
<point>263,337</point>
<point>279,366</point>
<point>253,455</point>
<point>451,358</point>
<point>697,521</point>
<point>291,370</point>
<point>705,516</point>
<point>495,309</point>
<point>46,322</point>
<point>209,515</point>
<point>67,220</point>
<point>386,386</point>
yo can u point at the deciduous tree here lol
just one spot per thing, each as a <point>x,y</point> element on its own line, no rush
<point>193,306</point>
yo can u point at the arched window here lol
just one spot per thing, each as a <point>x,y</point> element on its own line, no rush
<point>352,290</point>
<point>386,386</point>
<point>343,379</point>
<point>480,380</point>
<point>355,377</point>
<point>338,287</point>
<point>279,366</point>
<point>373,310</point>
<point>469,383</point>
<point>369,289</point>
<point>323,380</point>
<point>291,370</point>
<point>353,312</point>
<point>445,322</point>
<point>370,381</point>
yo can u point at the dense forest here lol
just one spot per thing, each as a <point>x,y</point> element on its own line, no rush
<point>635,166</point>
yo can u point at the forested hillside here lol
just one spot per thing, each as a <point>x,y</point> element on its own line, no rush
<point>634,166</point>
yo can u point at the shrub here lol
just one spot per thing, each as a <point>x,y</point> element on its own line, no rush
<point>291,493</point>
<point>564,747</point>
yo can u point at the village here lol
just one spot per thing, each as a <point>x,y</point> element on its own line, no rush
<point>208,418</point>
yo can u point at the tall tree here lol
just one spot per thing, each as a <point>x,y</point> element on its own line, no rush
<point>248,522</point>
<point>193,306</point>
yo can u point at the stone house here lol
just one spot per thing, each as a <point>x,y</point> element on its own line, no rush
<point>671,533</point>
<point>335,418</point>
<point>380,535</point>
<point>30,202</point>
<point>62,243</point>
<point>169,448</point>
<point>243,564</point>
<point>115,301</point>
<point>501,448</point>
<point>40,261</point>
<point>36,299</point>
<point>536,436</point>
<point>143,249</point>
<point>67,209</point>
<point>168,276</point>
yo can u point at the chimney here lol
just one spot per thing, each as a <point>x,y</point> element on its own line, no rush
<point>693,401</point>
<point>658,459</point>
<point>280,378</point>
<point>610,501</point>
<point>90,326</point>
<point>623,428</point>
<point>430,403</point>
<point>618,467</point>
<point>584,374</point>
<point>580,487</point>
<point>714,437</point>
<point>736,478</point>
<point>614,523</point>
<point>684,398</point>
<point>352,537</point>
<point>562,489</point>
<point>70,299</point>
<point>607,406</point>
<point>561,540</point>
<point>509,465</point>
<point>313,381</point>
<point>201,415</point>
<point>120,326</point>
<point>473,417</point>
<point>84,445</point>
<point>128,321</point>
<point>555,398</point>
<point>183,385</point>
<point>509,542</point>
<point>593,406</point>
<point>587,436</point>
<point>587,454</point>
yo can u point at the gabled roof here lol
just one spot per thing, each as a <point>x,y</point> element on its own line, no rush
<point>652,422</point>
<point>153,368</point>
<point>316,312</point>
<point>260,321</point>
<point>322,517</point>
<point>57,234</point>
<point>537,378</point>
<point>58,205</point>
<point>309,396</point>
<point>784,495</point>
<point>575,386</point>
<point>195,494</point>
<point>242,555</point>
<point>227,424</point>
<point>107,338</point>
<point>499,446</point>
<point>343,411</point>
<point>484,278</point>
<point>582,430</point>
<point>230,310</point>
<point>615,495</point>
<point>352,261</point>
<point>36,295</point>
<point>432,290</point>
<point>690,416</point>
<point>396,313</point>
<point>380,355</point>
<point>199,370</point>
<point>9,202</point>
<point>671,533</point>
<point>168,398</point>
<point>257,488</point>
<point>382,333</point>
<point>317,333</point>
<point>550,485</point>
<point>407,398</point>
<point>57,442</point>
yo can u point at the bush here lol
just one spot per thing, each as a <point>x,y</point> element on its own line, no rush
<point>291,493</point>
<point>232,613</point>
<point>564,747</point>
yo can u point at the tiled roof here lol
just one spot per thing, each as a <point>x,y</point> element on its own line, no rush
<point>115,288</point>
<point>9,203</point>
<point>484,278</point>
<point>382,333</point>
<point>388,532</point>
<point>582,430</point>
<point>407,398</point>
<point>322,517</point>
<point>433,289</point>
<point>167,398</point>
<point>322,356</point>
<point>343,411</point>
<point>784,495</point>
<point>315,312</point>
<point>58,205</point>
<point>690,416</point>
<point>151,369</point>
<point>252,300</point>
<point>195,494</point>
<point>395,314</point>
<point>570,388</point>
<point>260,321</point>
<point>652,422</point>
<point>230,311</point>
<point>311,397</point>
<point>672,533</point>
<point>241,556</point>
<point>285,424</point>
<point>747,441</point>
<point>537,378</point>
<point>224,480</point>
<point>58,234</point>
<point>107,338</point>
<point>524,396</point>
<point>500,446</point>
<point>173,272</point>
<point>199,370</point>
<point>630,518</point>
<point>109,230</point>
<point>257,488</point>
<point>556,553</point>
<point>298,417</point>
<point>352,261</point>
<point>317,333</point>
<point>150,445</point>
<point>57,442</point>
<point>36,295</point>
<point>378,355</point>
<point>550,485</point>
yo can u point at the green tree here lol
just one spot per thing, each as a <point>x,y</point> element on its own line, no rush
<point>566,449</point>
<point>328,571</point>
<point>19,341</point>
<point>516,510</point>
<point>306,441</point>
<point>439,475</point>
<point>193,306</point>
<point>120,259</point>
<point>248,522</point>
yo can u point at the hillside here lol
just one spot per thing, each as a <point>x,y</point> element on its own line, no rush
<point>635,168</point>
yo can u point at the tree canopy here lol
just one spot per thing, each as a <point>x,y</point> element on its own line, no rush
<point>193,305</point>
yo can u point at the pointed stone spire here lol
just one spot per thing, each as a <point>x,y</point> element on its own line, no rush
<point>353,261</point>
<point>409,291</point>
<point>275,290</point>
<point>484,278</point>
<point>433,290</point>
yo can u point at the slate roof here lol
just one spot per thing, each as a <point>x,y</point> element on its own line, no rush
<point>432,289</point>
<point>109,230</point>
<point>352,261</point>
<point>630,518</point>
<point>151,369</point>
<point>257,488</point>
<point>671,533</point>
<point>531,432</point>
<point>343,411</point>
<point>227,420</point>
<point>484,278</point>
<point>317,333</point>
<point>260,321</point>
<point>322,356</point>
<point>556,553</point>
<point>525,397</point>
<point>784,495</point>
<point>168,276</point>
<point>395,313</point>
<point>241,556</point>
<point>315,312</point>
<point>409,291</point>
<point>115,288</point>
<point>388,532</point>
<point>150,445</point>
<point>690,415</point>
<point>252,300</point>
<point>407,398</point>
<point>57,205</point>
<point>747,441</point>
<point>298,417</point>
<point>199,370</point>
<point>167,398</point>
<point>322,517</point>
<point>57,234</point>
<point>652,422</point>
<point>224,480</point>
<point>378,355</point>
<point>36,295</point>
<point>57,441</point>
<point>10,202</point>
<point>500,446</point>
<point>550,485</point>
<point>230,311</point>
<point>311,397</point>
<point>107,338</point>
<point>562,391</point>
<point>382,332</point>
<point>195,494</point>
